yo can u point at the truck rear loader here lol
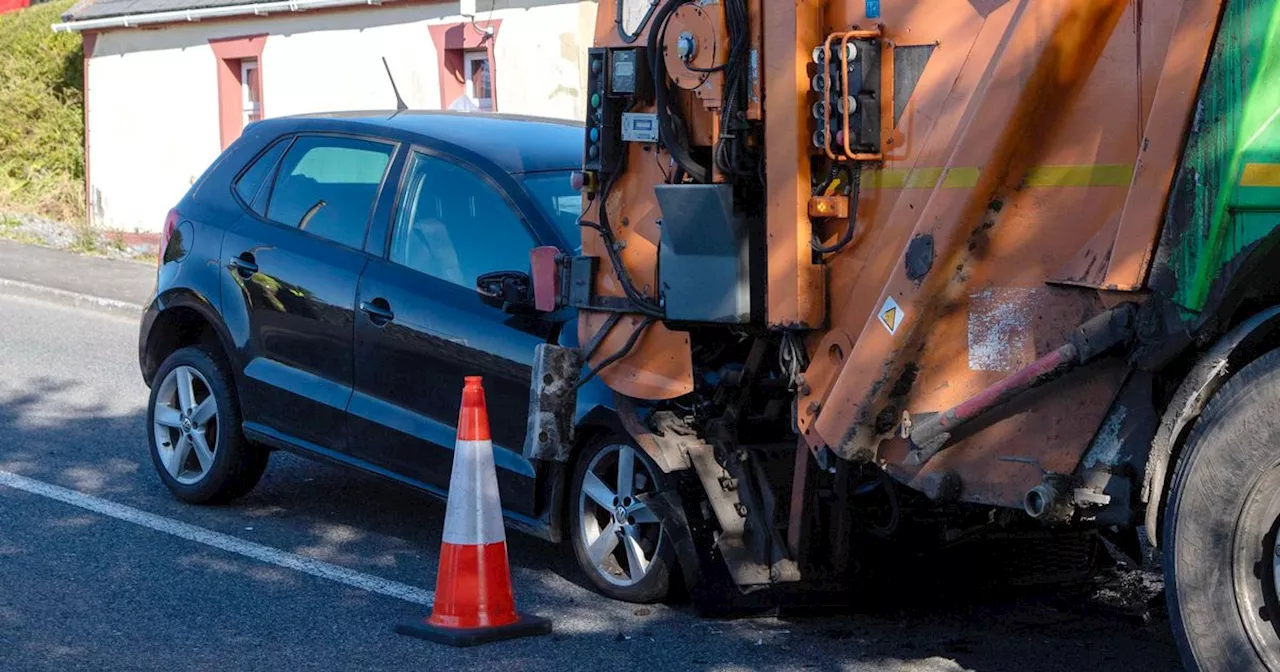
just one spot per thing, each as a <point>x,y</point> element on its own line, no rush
<point>875,277</point>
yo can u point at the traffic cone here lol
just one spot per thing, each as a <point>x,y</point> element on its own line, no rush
<point>474,604</point>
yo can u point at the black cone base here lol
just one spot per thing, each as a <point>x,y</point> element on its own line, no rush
<point>525,626</point>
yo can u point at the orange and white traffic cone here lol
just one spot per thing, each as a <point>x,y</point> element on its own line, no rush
<point>474,604</point>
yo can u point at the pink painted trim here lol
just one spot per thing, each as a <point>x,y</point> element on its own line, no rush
<point>229,51</point>
<point>451,40</point>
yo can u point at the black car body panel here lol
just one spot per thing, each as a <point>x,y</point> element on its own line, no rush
<point>346,351</point>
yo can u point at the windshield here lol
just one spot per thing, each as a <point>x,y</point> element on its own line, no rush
<point>558,200</point>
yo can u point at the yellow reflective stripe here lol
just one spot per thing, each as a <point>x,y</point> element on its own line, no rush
<point>1261,175</point>
<point>890,178</point>
<point>924,178</point>
<point>1100,175</point>
<point>961,178</point>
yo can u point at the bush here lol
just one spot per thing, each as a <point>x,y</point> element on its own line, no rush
<point>41,115</point>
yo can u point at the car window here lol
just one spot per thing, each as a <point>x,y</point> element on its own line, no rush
<point>251,180</point>
<point>327,186</point>
<point>555,195</point>
<point>454,225</point>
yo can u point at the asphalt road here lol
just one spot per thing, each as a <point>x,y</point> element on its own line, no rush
<point>83,590</point>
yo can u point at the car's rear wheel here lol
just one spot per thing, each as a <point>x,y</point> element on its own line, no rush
<point>616,536</point>
<point>195,438</point>
<point>1221,555</point>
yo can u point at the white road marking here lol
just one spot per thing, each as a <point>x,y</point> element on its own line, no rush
<point>200,535</point>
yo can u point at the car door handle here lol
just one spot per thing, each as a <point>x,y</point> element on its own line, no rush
<point>244,265</point>
<point>378,310</point>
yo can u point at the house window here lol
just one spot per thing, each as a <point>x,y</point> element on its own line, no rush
<point>468,71</point>
<point>250,90</point>
<point>479,78</point>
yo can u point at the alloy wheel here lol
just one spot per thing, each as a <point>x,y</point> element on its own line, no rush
<point>186,425</point>
<point>620,532</point>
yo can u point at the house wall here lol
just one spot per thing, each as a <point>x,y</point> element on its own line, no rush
<point>152,93</point>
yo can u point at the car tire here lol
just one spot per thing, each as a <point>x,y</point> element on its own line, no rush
<point>1221,557</point>
<point>637,530</point>
<point>228,466</point>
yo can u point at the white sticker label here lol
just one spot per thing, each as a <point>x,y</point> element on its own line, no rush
<point>891,315</point>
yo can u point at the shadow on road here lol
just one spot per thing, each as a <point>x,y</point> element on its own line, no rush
<point>385,529</point>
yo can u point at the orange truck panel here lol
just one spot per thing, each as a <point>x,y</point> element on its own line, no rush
<point>1018,193</point>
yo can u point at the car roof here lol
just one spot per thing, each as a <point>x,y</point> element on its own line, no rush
<point>516,144</point>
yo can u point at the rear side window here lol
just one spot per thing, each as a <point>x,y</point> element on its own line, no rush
<point>327,186</point>
<point>251,180</point>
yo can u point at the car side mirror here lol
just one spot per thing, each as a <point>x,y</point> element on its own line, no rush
<point>509,290</point>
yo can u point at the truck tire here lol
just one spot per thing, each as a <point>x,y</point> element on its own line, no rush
<point>1221,558</point>
<point>196,442</point>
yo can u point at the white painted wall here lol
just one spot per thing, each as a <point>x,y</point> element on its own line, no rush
<point>153,97</point>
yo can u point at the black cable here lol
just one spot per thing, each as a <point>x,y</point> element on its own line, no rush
<point>598,340</point>
<point>838,245</point>
<point>715,68</point>
<point>630,38</point>
<point>641,303</point>
<point>852,193</point>
<point>621,353</point>
<point>672,129</point>
<point>733,156</point>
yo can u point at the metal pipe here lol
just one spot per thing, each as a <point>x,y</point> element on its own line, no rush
<point>191,15</point>
<point>1091,340</point>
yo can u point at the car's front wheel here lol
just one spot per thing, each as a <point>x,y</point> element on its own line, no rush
<point>617,538</point>
<point>196,442</point>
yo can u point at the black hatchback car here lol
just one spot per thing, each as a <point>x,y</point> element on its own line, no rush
<point>317,293</point>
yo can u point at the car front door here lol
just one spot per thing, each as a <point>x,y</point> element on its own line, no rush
<point>423,328</point>
<point>296,260</point>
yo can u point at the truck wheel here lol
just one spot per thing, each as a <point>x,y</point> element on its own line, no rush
<point>1221,556</point>
<point>617,538</point>
<point>196,443</point>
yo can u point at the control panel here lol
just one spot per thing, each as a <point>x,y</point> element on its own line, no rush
<point>847,88</point>
<point>638,127</point>
<point>616,80</point>
<point>629,74</point>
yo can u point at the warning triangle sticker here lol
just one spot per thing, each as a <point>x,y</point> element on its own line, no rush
<point>891,315</point>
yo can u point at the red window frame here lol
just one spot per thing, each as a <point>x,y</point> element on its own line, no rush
<point>230,53</point>
<point>453,41</point>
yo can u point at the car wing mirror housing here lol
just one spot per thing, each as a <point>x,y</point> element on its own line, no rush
<point>511,291</point>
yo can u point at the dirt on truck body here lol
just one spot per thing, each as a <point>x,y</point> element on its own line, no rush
<point>876,279</point>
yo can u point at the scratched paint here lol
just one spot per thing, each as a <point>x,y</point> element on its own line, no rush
<point>1106,446</point>
<point>1000,336</point>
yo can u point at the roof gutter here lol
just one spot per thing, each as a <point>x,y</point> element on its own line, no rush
<point>193,15</point>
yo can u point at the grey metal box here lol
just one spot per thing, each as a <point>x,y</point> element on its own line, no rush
<point>704,260</point>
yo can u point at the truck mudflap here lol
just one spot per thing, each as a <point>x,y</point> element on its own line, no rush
<point>553,398</point>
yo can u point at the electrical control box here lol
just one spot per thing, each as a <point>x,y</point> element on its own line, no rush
<point>637,127</point>
<point>846,83</point>
<point>704,259</point>
<point>629,75</point>
<point>603,147</point>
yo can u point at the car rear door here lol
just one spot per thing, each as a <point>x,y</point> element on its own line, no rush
<point>423,327</point>
<point>296,261</point>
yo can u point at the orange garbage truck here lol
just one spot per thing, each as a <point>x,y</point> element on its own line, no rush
<point>873,275</point>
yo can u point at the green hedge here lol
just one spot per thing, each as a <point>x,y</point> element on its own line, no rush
<point>41,115</point>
